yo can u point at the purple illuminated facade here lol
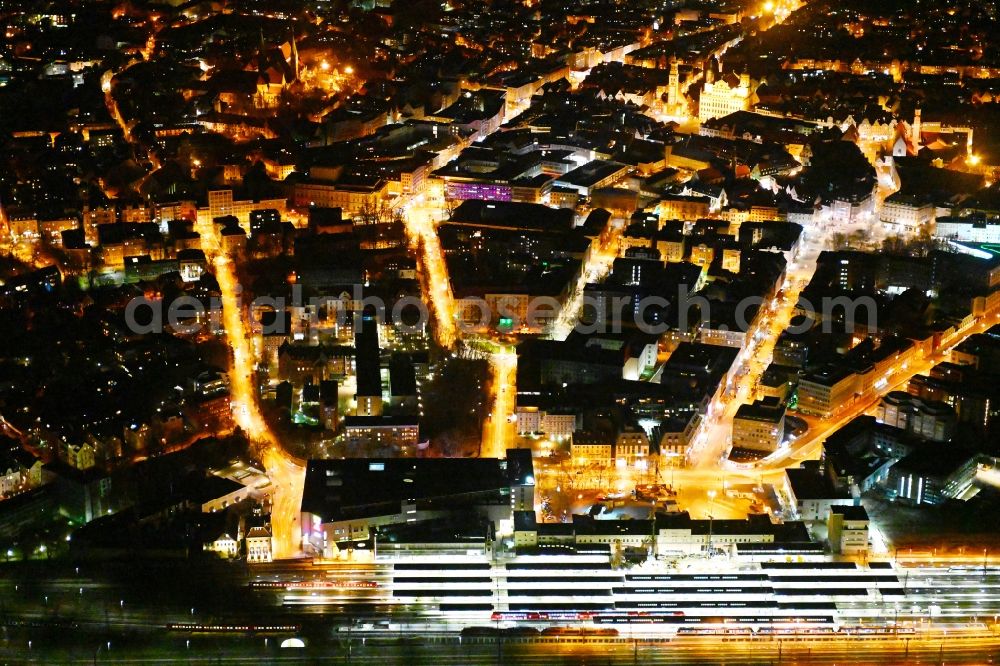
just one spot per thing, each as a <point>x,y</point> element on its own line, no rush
<point>486,191</point>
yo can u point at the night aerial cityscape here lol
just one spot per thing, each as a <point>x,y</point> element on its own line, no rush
<point>500,332</point>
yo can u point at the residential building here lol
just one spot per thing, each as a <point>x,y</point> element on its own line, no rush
<point>973,229</point>
<point>759,426</point>
<point>344,500</point>
<point>847,530</point>
<point>532,420</point>
<point>822,392</point>
<point>934,475</point>
<point>676,435</point>
<point>260,545</point>
<point>396,434</point>
<point>591,449</point>
<point>352,197</point>
<point>221,203</point>
<point>908,212</point>
<point>19,470</point>
<point>632,449</point>
<point>811,494</point>
<point>224,546</point>
<point>928,419</point>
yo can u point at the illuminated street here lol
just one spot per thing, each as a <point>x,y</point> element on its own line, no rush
<point>498,429</point>
<point>711,445</point>
<point>810,445</point>
<point>422,233</point>
<point>578,332</point>
<point>286,474</point>
<point>594,270</point>
<point>421,230</point>
<point>107,87</point>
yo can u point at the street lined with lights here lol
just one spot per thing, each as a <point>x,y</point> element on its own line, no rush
<point>287,475</point>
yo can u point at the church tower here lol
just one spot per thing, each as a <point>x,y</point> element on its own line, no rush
<point>674,88</point>
<point>295,56</point>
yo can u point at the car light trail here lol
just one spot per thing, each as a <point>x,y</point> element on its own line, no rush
<point>422,234</point>
<point>496,433</point>
<point>710,444</point>
<point>112,105</point>
<point>287,475</point>
<point>595,269</point>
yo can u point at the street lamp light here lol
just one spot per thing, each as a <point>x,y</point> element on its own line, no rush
<point>711,501</point>
<point>107,648</point>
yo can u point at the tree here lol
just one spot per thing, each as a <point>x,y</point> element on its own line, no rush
<point>919,244</point>
<point>256,182</point>
<point>857,239</point>
<point>379,225</point>
<point>379,212</point>
<point>838,168</point>
<point>617,556</point>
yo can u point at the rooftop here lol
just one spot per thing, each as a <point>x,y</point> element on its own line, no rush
<point>360,488</point>
<point>807,484</point>
<point>770,410</point>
